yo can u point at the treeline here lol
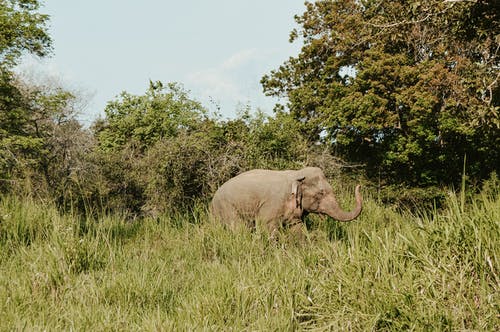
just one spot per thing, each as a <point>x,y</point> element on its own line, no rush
<point>410,116</point>
<point>153,152</point>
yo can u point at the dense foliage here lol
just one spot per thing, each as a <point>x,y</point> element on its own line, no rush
<point>23,110</point>
<point>409,90</point>
<point>23,29</point>
<point>162,151</point>
<point>144,120</point>
<point>407,87</point>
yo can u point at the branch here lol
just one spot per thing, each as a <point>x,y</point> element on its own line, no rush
<point>395,24</point>
<point>490,88</point>
<point>455,1</point>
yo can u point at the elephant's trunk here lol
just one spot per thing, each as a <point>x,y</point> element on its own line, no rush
<point>337,213</point>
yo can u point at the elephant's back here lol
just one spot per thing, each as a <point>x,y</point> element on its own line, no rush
<point>256,180</point>
<point>250,188</point>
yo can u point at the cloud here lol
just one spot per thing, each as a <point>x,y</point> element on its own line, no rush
<point>214,82</point>
<point>241,58</point>
<point>234,81</point>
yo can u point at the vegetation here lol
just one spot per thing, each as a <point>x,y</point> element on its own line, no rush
<point>106,228</point>
<point>387,271</point>
<point>388,86</point>
<point>406,87</point>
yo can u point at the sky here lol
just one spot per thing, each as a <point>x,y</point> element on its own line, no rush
<point>218,50</point>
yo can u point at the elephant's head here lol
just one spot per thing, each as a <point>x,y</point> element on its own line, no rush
<point>316,195</point>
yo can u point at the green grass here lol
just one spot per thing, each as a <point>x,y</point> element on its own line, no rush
<point>386,271</point>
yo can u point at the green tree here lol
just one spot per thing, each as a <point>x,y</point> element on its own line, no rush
<point>22,30</point>
<point>274,141</point>
<point>45,142</point>
<point>142,120</point>
<point>161,151</point>
<point>143,138</point>
<point>407,87</point>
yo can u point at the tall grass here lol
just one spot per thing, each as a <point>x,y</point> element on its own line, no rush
<point>435,270</point>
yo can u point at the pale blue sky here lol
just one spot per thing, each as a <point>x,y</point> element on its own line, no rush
<point>217,49</point>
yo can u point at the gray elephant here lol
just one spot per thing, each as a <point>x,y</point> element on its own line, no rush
<point>278,198</point>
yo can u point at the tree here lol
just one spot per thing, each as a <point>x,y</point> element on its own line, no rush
<point>22,30</point>
<point>138,144</point>
<point>160,151</point>
<point>45,142</point>
<point>143,120</point>
<point>408,87</point>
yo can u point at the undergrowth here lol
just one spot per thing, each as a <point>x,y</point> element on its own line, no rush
<point>388,270</point>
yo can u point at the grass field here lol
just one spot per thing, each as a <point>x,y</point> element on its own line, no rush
<point>389,270</point>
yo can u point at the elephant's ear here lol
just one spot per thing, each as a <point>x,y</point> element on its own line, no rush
<point>297,192</point>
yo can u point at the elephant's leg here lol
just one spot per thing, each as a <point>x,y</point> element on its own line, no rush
<point>297,230</point>
<point>273,228</point>
<point>232,220</point>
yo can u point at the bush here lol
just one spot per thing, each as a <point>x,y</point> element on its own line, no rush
<point>149,167</point>
<point>177,172</point>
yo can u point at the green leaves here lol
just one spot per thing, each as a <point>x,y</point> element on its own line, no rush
<point>22,29</point>
<point>161,151</point>
<point>422,91</point>
<point>161,113</point>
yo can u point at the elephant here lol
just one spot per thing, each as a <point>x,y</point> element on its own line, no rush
<point>278,199</point>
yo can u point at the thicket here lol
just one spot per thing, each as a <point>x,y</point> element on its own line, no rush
<point>162,151</point>
<point>414,117</point>
<point>151,153</point>
<point>167,152</point>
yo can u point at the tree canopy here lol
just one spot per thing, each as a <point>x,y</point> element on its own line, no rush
<point>408,87</point>
<point>33,116</point>
<point>23,30</point>
<point>143,120</point>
